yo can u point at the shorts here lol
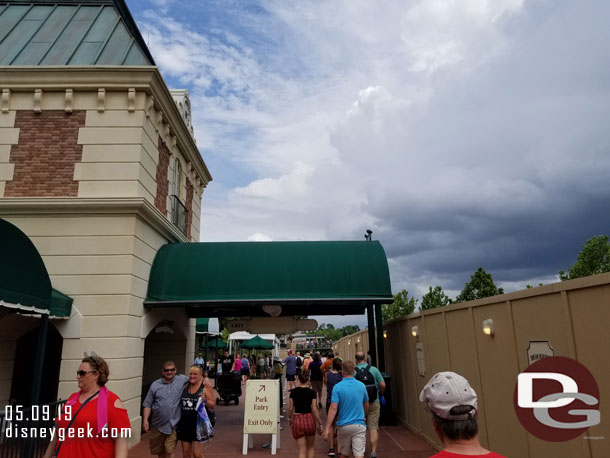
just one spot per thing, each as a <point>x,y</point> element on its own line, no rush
<point>372,419</point>
<point>352,438</point>
<point>160,443</point>
<point>317,385</point>
<point>303,425</point>
<point>244,371</point>
<point>290,377</point>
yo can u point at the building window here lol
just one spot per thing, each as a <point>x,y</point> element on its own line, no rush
<point>179,211</point>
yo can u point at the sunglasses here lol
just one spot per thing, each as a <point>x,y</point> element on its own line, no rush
<point>169,370</point>
<point>83,373</point>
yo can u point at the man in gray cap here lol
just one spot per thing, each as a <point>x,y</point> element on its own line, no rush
<point>453,405</point>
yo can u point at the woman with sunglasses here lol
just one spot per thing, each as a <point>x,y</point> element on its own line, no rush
<point>195,391</point>
<point>92,411</point>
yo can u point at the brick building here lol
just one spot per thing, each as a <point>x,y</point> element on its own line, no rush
<point>99,168</point>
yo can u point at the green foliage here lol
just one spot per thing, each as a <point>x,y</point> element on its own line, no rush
<point>594,258</point>
<point>434,298</point>
<point>225,334</point>
<point>480,285</point>
<point>402,306</point>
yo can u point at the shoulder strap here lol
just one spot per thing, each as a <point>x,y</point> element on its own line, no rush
<point>368,366</point>
<point>74,418</point>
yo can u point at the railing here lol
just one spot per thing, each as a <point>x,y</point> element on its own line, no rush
<point>35,423</point>
<point>179,214</point>
<point>323,345</point>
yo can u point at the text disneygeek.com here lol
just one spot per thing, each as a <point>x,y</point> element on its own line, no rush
<point>62,434</point>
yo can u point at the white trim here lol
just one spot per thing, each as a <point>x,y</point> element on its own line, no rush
<point>26,308</point>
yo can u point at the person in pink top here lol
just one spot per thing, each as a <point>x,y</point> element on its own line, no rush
<point>237,366</point>
<point>453,405</point>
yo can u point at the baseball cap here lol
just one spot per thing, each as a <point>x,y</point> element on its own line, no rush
<point>446,390</point>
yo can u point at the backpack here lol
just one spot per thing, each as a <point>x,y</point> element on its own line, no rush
<point>364,375</point>
<point>299,361</point>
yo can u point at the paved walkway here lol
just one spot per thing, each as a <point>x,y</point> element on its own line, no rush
<point>393,440</point>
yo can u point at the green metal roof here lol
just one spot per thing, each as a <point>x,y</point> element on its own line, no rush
<point>72,32</point>
<point>236,278</point>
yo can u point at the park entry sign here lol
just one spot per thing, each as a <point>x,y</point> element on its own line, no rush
<point>262,411</point>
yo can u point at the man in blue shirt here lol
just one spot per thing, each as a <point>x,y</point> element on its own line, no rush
<point>163,401</point>
<point>350,404</point>
<point>291,369</point>
<point>372,419</point>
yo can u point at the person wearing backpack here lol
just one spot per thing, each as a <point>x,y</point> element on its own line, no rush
<point>375,386</point>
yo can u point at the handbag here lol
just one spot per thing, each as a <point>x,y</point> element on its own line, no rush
<point>205,430</point>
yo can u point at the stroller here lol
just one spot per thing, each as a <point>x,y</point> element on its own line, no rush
<point>229,387</point>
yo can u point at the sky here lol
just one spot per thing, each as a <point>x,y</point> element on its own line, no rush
<point>463,133</point>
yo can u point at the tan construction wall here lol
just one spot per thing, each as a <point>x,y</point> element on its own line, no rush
<point>573,316</point>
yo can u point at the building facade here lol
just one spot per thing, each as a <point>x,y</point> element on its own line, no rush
<point>99,168</point>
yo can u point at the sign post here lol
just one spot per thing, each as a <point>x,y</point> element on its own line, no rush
<point>262,412</point>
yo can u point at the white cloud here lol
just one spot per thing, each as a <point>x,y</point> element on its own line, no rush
<point>465,133</point>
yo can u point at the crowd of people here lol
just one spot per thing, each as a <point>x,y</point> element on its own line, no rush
<point>181,408</point>
<point>353,393</point>
<point>258,365</point>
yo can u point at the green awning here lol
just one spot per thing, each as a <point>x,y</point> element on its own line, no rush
<point>61,304</point>
<point>216,343</point>
<point>24,282</point>
<point>237,278</point>
<point>255,343</point>
<point>202,325</point>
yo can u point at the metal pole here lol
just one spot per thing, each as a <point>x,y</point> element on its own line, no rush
<point>380,349</point>
<point>205,339</point>
<point>27,451</point>
<point>371,324</point>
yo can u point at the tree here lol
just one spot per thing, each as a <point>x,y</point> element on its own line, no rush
<point>349,329</point>
<point>402,306</point>
<point>480,285</point>
<point>594,258</point>
<point>434,298</point>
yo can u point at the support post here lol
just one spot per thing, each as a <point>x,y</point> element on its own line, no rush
<point>39,361</point>
<point>371,325</point>
<point>380,347</point>
<point>27,451</point>
<point>205,346</point>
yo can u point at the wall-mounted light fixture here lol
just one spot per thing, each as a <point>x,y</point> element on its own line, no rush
<point>273,310</point>
<point>349,342</point>
<point>488,327</point>
<point>414,331</point>
<point>165,327</point>
<point>358,339</point>
<point>385,334</point>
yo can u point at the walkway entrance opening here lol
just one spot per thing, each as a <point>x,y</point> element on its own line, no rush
<point>25,353</point>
